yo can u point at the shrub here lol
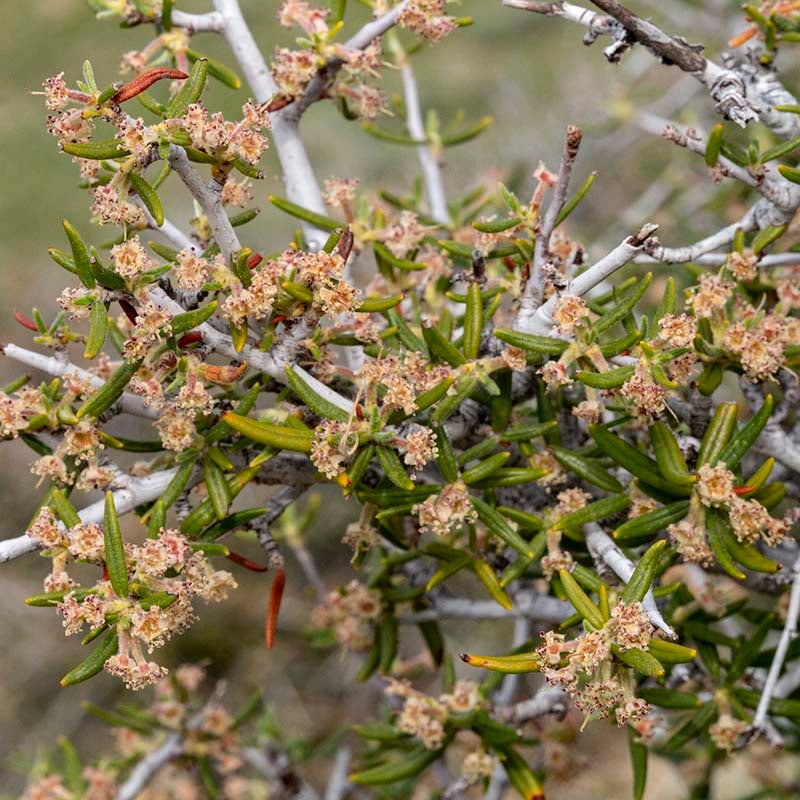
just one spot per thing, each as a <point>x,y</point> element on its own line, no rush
<point>605,455</point>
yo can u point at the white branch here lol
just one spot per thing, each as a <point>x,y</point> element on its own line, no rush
<point>718,259</point>
<point>338,784</point>
<point>137,491</point>
<point>129,403</point>
<point>298,175</point>
<point>534,289</point>
<point>603,548</point>
<point>212,22</point>
<point>171,231</point>
<point>548,700</point>
<point>540,320</point>
<point>787,634</point>
<point>431,173</point>
<point>533,606</point>
<point>147,768</point>
<point>209,197</point>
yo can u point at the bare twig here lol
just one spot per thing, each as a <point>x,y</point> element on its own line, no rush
<point>603,548</point>
<point>134,493</point>
<point>548,700</point>
<point>431,172</point>
<point>338,785</point>
<point>212,22</point>
<point>532,606</point>
<point>534,289</point>
<point>298,174</point>
<point>209,195</point>
<point>724,85</point>
<point>275,765</point>
<point>149,766</point>
<point>129,403</point>
<point>318,86</point>
<point>540,320</point>
<point>787,634</point>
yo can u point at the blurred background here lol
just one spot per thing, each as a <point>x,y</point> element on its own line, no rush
<point>533,76</point>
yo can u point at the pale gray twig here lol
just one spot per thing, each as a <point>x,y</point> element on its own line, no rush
<point>431,171</point>
<point>603,548</point>
<point>540,320</point>
<point>787,634</point>
<point>136,492</point>
<point>146,769</point>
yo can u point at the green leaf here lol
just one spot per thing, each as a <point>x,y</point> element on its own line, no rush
<point>633,460</point>
<point>626,304</point>
<point>741,442</point>
<point>586,468</point>
<point>649,524</point>
<point>719,431</point>
<point>642,578</point>
<point>409,766</point>
<point>498,526</point>
<point>714,145</point>
<point>748,649</point>
<point>191,90</point>
<point>669,698</point>
<point>610,379</point>
<point>393,468</point>
<point>489,579</point>
<point>80,256</point>
<point>216,69</point>
<point>473,322</point>
<point>281,436</point>
<point>790,173</point>
<point>304,388</point>
<point>148,196</point>
<point>96,151</point>
<point>440,346</point>
<point>110,391</point>
<point>575,200</point>
<point>219,491</point>
<point>580,600</point>
<point>508,665</point>
<point>696,725</point>
<point>94,662</point>
<point>715,532</point>
<point>485,468</point>
<point>638,753</point>
<point>640,660</point>
<point>599,509</point>
<point>539,345</point>
<point>668,455</point>
<point>114,548</point>
<point>317,220</point>
<point>98,330</point>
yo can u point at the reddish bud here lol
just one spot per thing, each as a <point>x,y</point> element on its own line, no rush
<point>345,244</point>
<point>277,103</point>
<point>254,260</point>
<point>245,562</point>
<point>144,81</point>
<point>274,607</point>
<point>26,322</point>
<point>190,338</point>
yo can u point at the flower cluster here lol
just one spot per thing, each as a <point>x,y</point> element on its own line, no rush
<point>446,511</point>
<point>582,666</point>
<point>166,573</point>
<point>426,717</point>
<point>349,612</point>
<point>209,733</point>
